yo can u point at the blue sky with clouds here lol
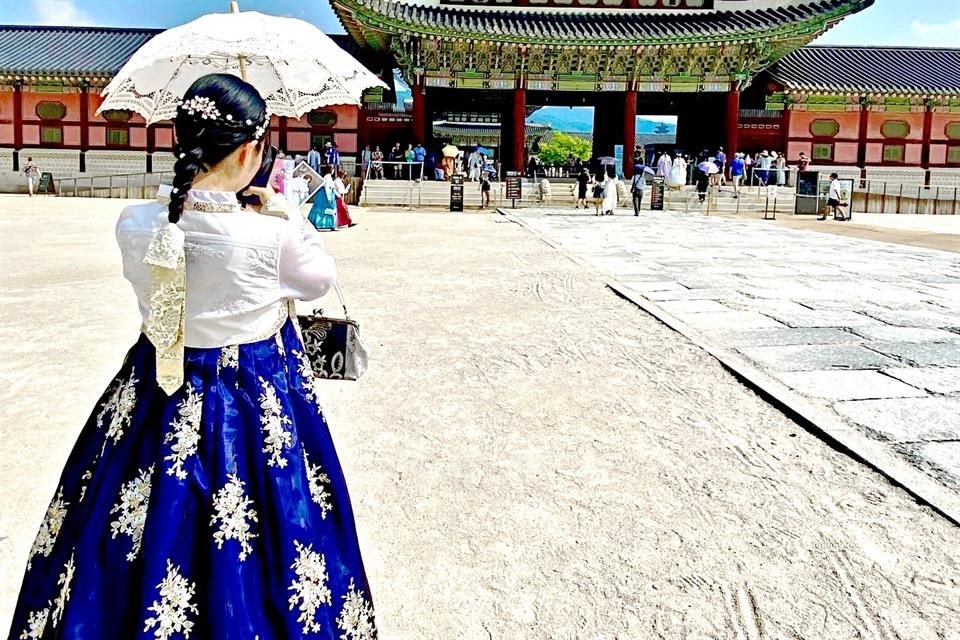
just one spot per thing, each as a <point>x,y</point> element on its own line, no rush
<point>889,22</point>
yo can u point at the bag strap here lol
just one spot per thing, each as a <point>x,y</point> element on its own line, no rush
<point>336,287</point>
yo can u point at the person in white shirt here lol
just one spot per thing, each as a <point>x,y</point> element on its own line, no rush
<point>207,464</point>
<point>835,199</point>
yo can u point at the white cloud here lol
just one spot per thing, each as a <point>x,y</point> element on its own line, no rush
<point>61,12</point>
<point>937,34</point>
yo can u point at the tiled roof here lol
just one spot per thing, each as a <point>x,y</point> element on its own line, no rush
<point>68,50</point>
<point>594,26</point>
<point>904,70</point>
<point>82,51</point>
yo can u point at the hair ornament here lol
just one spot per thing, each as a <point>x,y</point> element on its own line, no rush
<point>202,106</point>
<point>263,126</point>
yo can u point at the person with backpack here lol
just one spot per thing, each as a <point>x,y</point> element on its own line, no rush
<point>32,173</point>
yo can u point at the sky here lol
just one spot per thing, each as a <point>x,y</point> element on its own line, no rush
<point>931,23</point>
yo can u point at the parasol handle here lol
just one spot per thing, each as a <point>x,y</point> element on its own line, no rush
<point>235,8</point>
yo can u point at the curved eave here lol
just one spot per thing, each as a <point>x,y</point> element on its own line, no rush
<point>358,19</point>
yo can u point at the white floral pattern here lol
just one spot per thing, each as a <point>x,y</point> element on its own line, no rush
<point>232,510</point>
<point>50,528</point>
<point>174,607</point>
<point>310,589</point>
<point>275,436</point>
<point>229,358</point>
<point>318,482</point>
<point>131,508</point>
<point>185,432</point>
<point>120,407</point>
<point>64,581</point>
<point>86,477</point>
<point>36,624</point>
<point>280,347</point>
<point>356,618</point>
<point>312,382</point>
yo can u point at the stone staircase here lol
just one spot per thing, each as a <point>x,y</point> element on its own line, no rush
<point>436,195</point>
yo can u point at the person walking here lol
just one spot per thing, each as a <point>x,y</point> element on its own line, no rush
<point>737,168</point>
<point>835,199</point>
<point>637,184</point>
<point>419,156</point>
<point>780,166</point>
<point>610,184</point>
<point>32,173</point>
<point>323,213</point>
<point>597,185</point>
<point>341,187</point>
<point>721,161</point>
<point>665,165</point>
<point>484,190</point>
<point>583,181</point>
<point>204,493</point>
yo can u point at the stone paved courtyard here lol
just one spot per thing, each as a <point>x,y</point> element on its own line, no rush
<point>870,330</point>
<point>529,457</point>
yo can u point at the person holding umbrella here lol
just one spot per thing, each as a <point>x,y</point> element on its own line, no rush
<point>204,492</point>
<point>637,184</point>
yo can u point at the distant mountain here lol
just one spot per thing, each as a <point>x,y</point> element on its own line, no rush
<point>580,120</point>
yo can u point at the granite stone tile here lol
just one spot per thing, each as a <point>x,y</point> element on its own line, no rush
<point>816,357</point>
<point>933,379</point>
<point>924,354</point>
<point>787,337</point>
<point>848,385</point>
<point>944,455</point>
<point>692,306</point>
<point>889,333</point>
<point>907,419</point>
<point>719,320</point>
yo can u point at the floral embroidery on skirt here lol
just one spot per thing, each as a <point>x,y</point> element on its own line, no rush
<point>218,512</point>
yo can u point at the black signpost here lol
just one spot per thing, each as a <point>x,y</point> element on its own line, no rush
<point>656,194</point>
<point>46,184</point>
<point>514,188</point>
<point>456,193</point>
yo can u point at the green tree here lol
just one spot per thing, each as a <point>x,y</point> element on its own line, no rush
<point>562,145</point>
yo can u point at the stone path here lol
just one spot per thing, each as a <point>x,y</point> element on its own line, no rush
<point>869,330</point>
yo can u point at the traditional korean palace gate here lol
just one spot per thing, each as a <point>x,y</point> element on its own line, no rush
<point>689,58</point>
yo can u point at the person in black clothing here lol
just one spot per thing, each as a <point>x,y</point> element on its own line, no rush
<point>703,182</point>
<point>583,180</point>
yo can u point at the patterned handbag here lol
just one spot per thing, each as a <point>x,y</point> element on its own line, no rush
<point>334,346</point>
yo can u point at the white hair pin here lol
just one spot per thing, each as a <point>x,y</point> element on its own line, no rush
<point>205,107</point>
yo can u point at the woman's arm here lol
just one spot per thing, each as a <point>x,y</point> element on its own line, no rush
<point>306,270</point>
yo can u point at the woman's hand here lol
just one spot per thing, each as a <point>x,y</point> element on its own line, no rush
<point>264,194</point>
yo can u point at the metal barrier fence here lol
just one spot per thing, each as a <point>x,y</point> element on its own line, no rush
<point>142,186</point>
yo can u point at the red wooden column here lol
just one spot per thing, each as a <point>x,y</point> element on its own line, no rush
<point>419,112</point>
<point>862,136</point>
<point>17,115</point>
<point>519,127</point>
<point>84,124</point>
<point>629,130</point>
<point>733,121</point>
<point>927,135</point>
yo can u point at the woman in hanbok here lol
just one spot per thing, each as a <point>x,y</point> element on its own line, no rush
<point>678,173</point>
<point>341,187</point>
<point>610,184</point>
<point>323,213</point>
<point>664,165</point>
<point>204,498</point>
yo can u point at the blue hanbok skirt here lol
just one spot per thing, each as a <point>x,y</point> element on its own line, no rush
<point>323,213</point>
<point>219,512</point>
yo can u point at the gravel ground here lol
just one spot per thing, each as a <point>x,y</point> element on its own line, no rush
<point>529,456</point>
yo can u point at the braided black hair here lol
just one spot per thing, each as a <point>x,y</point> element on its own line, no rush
<point>234,114</point>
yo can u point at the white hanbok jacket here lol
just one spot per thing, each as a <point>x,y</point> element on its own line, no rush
<point>242,267</point>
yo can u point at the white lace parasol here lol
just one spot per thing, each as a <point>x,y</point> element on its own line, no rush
<point>294,65</point>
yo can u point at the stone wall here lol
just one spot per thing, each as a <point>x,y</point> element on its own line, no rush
<point>163,161</point>
<point>62,163</point>
<point>6,159</point>
<point>106,163</point>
